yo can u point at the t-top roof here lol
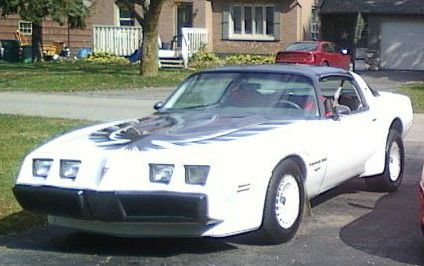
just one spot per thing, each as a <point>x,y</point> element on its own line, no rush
<point>304,70</point>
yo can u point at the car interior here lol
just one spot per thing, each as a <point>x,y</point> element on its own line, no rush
<point>338,91</point>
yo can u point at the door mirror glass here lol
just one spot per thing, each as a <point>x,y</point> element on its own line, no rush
<point>158,105</point>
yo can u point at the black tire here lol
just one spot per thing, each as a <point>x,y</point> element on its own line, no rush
<point>384,182</point>
<point>325,63</point>
<point>271,231</point>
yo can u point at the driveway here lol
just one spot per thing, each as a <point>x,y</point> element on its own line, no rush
<point>390,80</point>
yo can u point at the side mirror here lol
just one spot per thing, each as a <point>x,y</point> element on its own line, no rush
<point>341,110</point>
<point>158,105</point>
<point>344,51</point>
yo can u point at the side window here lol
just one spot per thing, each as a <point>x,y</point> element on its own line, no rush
<point>340,91</point>
<point>328,48</point>
<point>349,96</point>
<point>337,48</point>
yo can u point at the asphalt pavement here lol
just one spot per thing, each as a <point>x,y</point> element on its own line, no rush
<point>350,225</point>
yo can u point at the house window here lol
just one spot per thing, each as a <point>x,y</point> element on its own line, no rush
<point>25,27</point>
<point>126,17</point>
<point>255,22</point>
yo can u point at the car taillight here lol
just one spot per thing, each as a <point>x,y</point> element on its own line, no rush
<point>279,56</point>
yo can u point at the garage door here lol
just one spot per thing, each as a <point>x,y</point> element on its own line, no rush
<point>402,45</point>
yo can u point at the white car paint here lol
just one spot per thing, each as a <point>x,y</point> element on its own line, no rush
<point>332,151</point>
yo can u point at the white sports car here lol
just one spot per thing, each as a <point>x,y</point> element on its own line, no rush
<point>232,150</point>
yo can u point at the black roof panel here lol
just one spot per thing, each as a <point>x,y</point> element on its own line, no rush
<point>304,70</point>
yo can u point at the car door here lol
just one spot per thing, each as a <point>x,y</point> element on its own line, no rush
<point>338,56</point>
<point>329,54</point>
<point>342,60</point>
<point>353,134</point>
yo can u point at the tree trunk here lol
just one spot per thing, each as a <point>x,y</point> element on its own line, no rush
<point>149,64</point>
<point>37,42</point>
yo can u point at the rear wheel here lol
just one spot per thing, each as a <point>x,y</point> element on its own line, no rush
<point>325,63</point>
<point>391,178</point>
<point>283,204</point>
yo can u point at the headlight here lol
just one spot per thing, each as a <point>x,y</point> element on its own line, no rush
<point>41,167</point>
<point>161,173</point>
<point>69,168</point>
<point>196,174</point>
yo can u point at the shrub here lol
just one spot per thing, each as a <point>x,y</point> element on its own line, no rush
<point>205,59</point>
<point>249,59</point>
<point>105,58</point>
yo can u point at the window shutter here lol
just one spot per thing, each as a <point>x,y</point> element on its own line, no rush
<point>225,21</point>
<point>277,23</point>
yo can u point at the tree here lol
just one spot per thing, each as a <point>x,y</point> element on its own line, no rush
<point>72,12</point>
<point>147,13</point>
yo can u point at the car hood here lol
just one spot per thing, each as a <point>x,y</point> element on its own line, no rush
<point>162,130</point>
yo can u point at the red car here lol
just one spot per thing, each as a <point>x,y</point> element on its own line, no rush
<point>319,53</point>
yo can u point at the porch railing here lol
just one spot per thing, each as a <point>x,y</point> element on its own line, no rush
<point>122,41</point>
<point>193,40</point>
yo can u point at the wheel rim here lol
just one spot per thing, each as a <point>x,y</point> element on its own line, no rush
<point>287,201</point>
<point>394,162</point>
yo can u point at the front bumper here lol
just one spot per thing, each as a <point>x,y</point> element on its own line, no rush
<point>122,206</point>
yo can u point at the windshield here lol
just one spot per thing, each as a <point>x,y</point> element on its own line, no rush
<point>258,93</point>
<point>303,46</point>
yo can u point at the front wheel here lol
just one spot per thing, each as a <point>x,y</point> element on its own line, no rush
<point>391,178</point>
<point>283,204</point>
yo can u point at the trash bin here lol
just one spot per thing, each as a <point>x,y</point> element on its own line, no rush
<point>27,53</point>
<point>11,50</point>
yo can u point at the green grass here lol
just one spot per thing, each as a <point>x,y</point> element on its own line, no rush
<point>416,93</point>
<point>81,76</point>
<point>19,136</point>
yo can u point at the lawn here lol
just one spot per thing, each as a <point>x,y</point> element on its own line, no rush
<point>19,135</point>
<point>81,76</point>
<point>416,92</point>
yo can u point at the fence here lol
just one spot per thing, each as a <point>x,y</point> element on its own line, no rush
<point>193,40</point>
<point>196,37</point>
<point>122,41</point>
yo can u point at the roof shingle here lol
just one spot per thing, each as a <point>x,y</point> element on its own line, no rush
<point>405,7</point>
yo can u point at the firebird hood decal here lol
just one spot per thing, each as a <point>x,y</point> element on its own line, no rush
<point>163,131</point>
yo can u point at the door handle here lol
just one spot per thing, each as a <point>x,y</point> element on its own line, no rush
<point>374,119</point>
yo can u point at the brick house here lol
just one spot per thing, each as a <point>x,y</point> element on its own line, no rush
<point>260,26</point>
<point>52,32</point>
<point>236,26</point>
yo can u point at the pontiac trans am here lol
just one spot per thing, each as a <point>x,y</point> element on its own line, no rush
<point>232,150</point>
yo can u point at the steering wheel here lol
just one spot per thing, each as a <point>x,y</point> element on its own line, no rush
<point>285,102</point>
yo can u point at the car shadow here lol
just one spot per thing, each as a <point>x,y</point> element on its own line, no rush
<point>391,230</point>
<point>56,239</point>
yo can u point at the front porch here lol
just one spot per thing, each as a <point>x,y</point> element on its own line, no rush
<point>125,40</point>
